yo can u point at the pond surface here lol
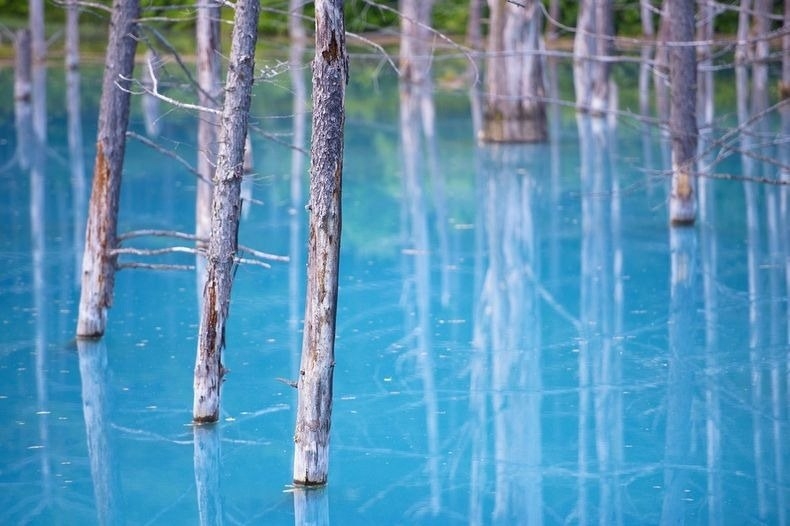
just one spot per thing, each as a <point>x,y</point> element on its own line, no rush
<point>521,337</point>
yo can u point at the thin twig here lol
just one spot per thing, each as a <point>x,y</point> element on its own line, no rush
<point>169,153</point>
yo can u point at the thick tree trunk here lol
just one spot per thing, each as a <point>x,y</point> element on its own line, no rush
<point>592,47</point>
<point>682,112</point>
<point>98,264</point>
<point>314,406</point>
<point>209,92</point>
<point>226,209</point>
<point>514,107</point>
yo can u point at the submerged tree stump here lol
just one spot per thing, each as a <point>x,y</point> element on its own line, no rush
<point>314,406</point>
<point>514,107</point>
<point>682,112</point>
<point>226,209</point>
<point>98,263</point>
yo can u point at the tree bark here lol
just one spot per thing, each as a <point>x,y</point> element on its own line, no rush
<point>682,112</point>
<point>514,107</point>
<point>314,405</point>
<point>226,209</point>
<point>98,265</point>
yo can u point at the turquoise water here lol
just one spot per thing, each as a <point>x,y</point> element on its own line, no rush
<point>521,338</point>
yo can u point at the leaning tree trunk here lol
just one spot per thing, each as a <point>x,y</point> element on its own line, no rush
<point>314,405</point>
<point>226,209</point>
<point>98,263</point>
<point>682,111</point>
<point>514,107</point>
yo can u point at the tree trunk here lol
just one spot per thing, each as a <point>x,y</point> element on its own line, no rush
<point>98,264</point>
<point>74,112</point>
<point>226,209</point>
<point>207,34</point>
<point>682,112</point>
<point>23,111</point>
<point>314,405</point>
<point>592,46</point>
<point>39,54</point>
<point>474,25</point>
<point>514,107</point>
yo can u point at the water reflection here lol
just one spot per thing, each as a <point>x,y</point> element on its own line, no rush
<point>507,326</point>
<point>417,279</point>
<point>600,347</point>
<point>208,466</point>
<point>94,373</point>
<point>311,506</point>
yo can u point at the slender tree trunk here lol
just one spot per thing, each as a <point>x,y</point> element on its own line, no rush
<point>592,47</point>
<point>682,112</point>
<point>314,405</point>
<point>226,206</point>
<point>207,34</point>
<point>98,264</point>
<point>474,25</point>
<point>73,109</point>
<point>23,111</point>
<point>514,107</point>
<point>39,54</point>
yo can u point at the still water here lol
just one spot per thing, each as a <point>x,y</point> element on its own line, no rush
<point>521,338</point>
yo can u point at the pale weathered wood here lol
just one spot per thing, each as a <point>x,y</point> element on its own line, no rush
<point>98,266</point>
<point>592,44</point>
<point>226,210</point>
<point>682,112</point>
<point>314,405</point>
<point>514,109</point>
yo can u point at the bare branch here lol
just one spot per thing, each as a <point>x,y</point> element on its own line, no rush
<point>154,266</point>
<point>169,153</point>
<point>154,251</point>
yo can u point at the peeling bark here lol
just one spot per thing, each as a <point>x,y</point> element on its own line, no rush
<point>314,405</point>
<point>98,264</point>
<point>226,209</point>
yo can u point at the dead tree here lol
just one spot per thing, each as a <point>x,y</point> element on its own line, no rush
<point>209,90</point>
<point>314,384</point>
<point>514,109</point>
<point>226,209</point>
<point>591,48</point>
<point>682,111</point>
<point>98,264</point>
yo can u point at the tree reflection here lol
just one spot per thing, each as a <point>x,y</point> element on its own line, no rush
<point>207,462</point>
<point>600,368</point>
<point>507,339</point>
<point>95,408</point>
<point>311,506</point>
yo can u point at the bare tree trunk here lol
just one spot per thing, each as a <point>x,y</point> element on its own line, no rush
<point>98,264</point>
<point>207,34</point>
<point>73,109</point>
<point>648,31</point>
<point>514,107</point>
<point>314,404</point>
<point>682,112</point>
<point>226,206</point>
<point>23,111</point>
<point>298,37</point>
<point>39,54</point>
<point>592,48</point>
<point>474,25</point>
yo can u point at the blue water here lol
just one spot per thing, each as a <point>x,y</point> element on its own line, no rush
<point>521,338</point>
